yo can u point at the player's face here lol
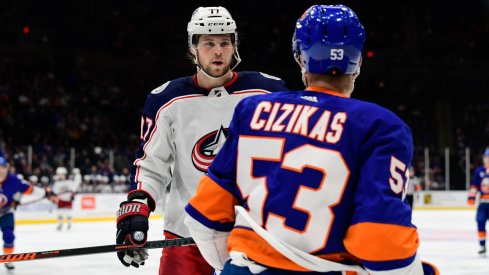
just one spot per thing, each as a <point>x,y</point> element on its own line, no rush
<point>62,176</point>
<point>215,53</point>
<point>3,172</point>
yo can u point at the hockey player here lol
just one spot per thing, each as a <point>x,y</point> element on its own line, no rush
<point>311,180</point>
<point>66,190</point>
<point>480,185</point>
<point>413,187</point>
<point>184,123</point>
<point>11,188</point>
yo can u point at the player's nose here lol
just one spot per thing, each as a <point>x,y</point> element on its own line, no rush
<point>218,50</point>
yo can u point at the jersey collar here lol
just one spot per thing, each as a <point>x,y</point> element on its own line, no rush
<point>227,84</point>
<point>324,90</point>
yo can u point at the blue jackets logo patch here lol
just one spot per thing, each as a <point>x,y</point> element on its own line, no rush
<point>207,147</point>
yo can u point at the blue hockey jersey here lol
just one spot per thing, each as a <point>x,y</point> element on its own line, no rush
<point>11,186</point>
<point>322,172</point>
<point>480,184</point>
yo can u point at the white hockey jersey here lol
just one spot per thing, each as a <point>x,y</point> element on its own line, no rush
<point>183,127</point>
<point>65,189</point>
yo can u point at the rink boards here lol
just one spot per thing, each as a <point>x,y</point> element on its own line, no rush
<point>102,207</point>
<point>86,208</point>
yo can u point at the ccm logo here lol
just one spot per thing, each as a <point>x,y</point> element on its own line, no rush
<point>215,24</point>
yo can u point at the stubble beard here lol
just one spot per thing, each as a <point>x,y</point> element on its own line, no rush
<point>216,72</point>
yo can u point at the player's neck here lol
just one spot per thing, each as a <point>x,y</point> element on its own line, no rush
<point>342,84</point>
<point>209,83</point>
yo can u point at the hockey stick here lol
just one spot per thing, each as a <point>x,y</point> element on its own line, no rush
<point>28,256</point>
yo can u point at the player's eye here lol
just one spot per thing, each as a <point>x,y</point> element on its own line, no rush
<point>226,44</point>
<point>209,44</point>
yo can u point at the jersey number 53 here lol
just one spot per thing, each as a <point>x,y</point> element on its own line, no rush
<point>315,202</point>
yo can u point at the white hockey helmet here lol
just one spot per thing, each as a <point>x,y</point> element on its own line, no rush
<point>211,20</point>
<point>61,171</point>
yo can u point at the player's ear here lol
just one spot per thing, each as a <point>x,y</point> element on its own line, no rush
<point>193,50</point>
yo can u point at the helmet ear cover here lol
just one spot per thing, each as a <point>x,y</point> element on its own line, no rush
<point>328,39</point>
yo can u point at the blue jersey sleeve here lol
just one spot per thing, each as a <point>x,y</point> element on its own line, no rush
<point>223,168</point>
<point>476,178</point>
<point>25,187</point>
<point>381,233</point>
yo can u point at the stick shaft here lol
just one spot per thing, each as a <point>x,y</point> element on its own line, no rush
<point>28,256</point>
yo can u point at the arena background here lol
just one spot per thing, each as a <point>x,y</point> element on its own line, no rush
<point>74,76</point>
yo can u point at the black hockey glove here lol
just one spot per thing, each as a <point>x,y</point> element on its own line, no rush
<point>132,227</point>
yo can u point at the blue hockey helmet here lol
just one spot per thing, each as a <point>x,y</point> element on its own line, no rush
<point>328,39</point>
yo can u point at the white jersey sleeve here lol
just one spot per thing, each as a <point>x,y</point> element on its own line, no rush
<point>152,169</point>
<point>211,243</point>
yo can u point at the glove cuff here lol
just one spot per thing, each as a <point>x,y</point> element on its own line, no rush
<point>131,209</point>
<point>141,195</point>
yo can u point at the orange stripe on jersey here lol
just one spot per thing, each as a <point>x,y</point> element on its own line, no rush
<point>257,249</point>
<point>213,201</point>
<point>324,90</point>
<point>381,242</point>
<point>485,196</point>
<point>29,190</point>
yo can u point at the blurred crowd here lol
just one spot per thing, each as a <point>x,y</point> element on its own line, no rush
<point>74,77</point>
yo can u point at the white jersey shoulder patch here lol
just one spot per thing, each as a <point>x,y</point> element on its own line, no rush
<point>270,76</point>
<point>161,88</point>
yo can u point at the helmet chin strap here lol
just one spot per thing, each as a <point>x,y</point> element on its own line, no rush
<point>199,67</point>
<point>297,58</point>
<point>303,73</point>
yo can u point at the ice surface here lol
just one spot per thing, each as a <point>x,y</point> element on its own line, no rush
<point>43,237</point>
<point>448,239</point>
